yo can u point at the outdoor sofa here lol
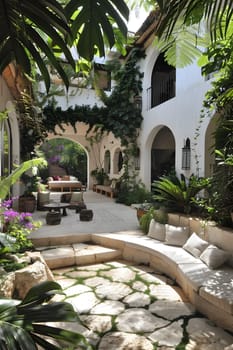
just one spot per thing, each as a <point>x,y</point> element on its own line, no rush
<point>64,183</point>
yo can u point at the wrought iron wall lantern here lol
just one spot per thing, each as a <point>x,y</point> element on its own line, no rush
<point>186,155</point>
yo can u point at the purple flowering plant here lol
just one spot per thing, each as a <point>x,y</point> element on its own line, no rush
<point>17,225</point>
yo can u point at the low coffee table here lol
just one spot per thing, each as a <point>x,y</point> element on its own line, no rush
<point>57,207</point>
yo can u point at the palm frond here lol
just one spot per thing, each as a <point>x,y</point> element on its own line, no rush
<point>217,14</point>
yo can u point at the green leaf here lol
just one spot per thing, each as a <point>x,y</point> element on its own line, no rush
<point>40,291</point>
<point>7,182</point>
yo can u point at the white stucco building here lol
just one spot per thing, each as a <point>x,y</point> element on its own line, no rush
<point>171,108</point>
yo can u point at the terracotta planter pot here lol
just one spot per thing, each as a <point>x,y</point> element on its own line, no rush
<point>140,213</point>
<point>27,204</point>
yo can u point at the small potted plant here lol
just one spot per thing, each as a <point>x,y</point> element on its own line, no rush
<point>27,201</point>
<point>100,175</point>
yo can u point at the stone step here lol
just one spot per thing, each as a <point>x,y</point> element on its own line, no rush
<point>77,254</point>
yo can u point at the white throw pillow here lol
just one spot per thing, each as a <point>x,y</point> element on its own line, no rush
<point>157,230</point>
<point>195,245</point>
<point>176,235</point>
<point>73,178</point>
<point>214,257</point>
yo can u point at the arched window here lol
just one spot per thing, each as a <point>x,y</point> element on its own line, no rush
<point>163,82</point>
<point>107,162</point>
<point>137,159</point>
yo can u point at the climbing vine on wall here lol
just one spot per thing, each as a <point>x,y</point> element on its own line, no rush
<point>119,115</point>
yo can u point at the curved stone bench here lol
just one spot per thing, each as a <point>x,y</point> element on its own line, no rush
<point>211,291</point>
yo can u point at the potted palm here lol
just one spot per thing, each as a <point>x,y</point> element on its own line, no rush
<point>100,176</point>
<point>6,183</point>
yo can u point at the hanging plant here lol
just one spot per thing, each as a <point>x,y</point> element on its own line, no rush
<point>31,125</point>
<point>119,115</point>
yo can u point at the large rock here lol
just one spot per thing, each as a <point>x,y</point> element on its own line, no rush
<point>7,282</point>
<point>17,283</point>
<point>29,277</point>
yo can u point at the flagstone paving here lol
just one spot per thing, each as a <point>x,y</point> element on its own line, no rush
<point>123,306</point>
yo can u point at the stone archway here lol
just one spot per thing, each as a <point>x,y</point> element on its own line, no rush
<point>162,153</point>
<point>66,157</point>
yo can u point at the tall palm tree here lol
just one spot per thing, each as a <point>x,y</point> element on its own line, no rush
<point>34,30</point>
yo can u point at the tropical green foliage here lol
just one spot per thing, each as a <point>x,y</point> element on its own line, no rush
<point>67,154</point>
<point>159,215</point>
<point>100,175</point>
<point>132,193</point>
<point>7,182</point>
<point>218,15</point>
<point>119,115</point>
<point>178,194</point>
<point>26,324</point>
<point>94,21</point>
<point>145,220</point>
<point>32,31</point>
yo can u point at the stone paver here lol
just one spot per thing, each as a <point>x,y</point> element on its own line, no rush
<point>100,324</point>
<point>137,299</point>
<point>124,306</point>
<point>138,320</point>
<point>113,290</point>
<point>139,286</point>
<point>108,307</point>
<point>81,274</point>
<point>95,281</point>
<point>121,274</point>
<point>123,341</point>
<point>165,292</point>
<point>84,302</point>
<point>171,335</point>
<point>77,289</point>
<point>171,309</point>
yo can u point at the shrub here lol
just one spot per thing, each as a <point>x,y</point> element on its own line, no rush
<point>145,220</point>
<point>178,194</point>
<point>133,195</point>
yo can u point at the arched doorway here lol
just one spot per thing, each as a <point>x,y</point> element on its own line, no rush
<point>117,161</point>
<point>65,157</point>
<point>162,154</point>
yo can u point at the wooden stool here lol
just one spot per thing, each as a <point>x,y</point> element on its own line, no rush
<point>86,215</point>
<point>53,218</point>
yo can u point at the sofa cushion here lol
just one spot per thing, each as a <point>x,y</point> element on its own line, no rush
<point>76,197</point>
<point>157,230</point>
<point>195,245</point>
<point>176,235</point>
<point>214,257</point>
